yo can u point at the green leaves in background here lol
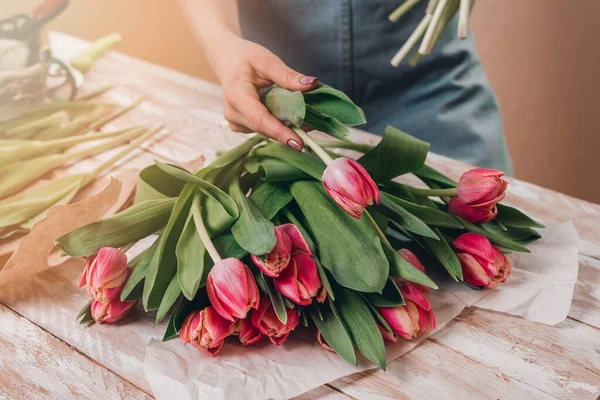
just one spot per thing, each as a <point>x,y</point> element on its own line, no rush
<point>510,216</point>
<point>336,104</point>
<point>403,269</point>
<point>270,198</point>
<point>361,325</point>
<point>497,236</point>
<point>153,183</point>
<point>266,285</point>
<point>273,170</point>
<point>389,297</point>
<point>398,153</point>
<point>429,215</point>
<point>334,331</point>
<point>430,176</point>
<point>405,219</point>
<point>253,232</point>
<point>286,106</point>
<point>361,265</point>
<point>325,123</point>
<point>307,162</point>
<point>129,226</point>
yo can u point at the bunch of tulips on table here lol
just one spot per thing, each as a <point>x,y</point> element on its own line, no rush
<point>265,238</point>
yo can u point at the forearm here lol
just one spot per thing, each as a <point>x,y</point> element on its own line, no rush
<point>214,22</point>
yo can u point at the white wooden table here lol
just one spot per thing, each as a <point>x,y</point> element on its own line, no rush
<point>44,353</point>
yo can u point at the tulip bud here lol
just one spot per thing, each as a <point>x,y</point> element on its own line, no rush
<point>407,321</point>
<point>350,186</point>
<point>482,187</point>
<point>231,289</point>
<point>206,330</point>
<point>481,214</point>
<point>269,325</point>
<point>412,259</point>
<point>105,274</point>
<point>300,281</point>
<point>248,333</point>
<point>112,311</point>
<point>289,242</point>
<point>482,264</point>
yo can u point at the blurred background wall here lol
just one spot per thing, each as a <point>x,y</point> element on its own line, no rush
<point>541,56</point>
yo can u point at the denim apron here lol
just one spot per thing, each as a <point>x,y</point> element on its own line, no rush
<point>445,100</point>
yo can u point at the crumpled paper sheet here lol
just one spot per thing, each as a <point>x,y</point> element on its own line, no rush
<point>539,289</point>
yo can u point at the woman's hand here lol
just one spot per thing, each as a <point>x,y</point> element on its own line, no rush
<point>244,67</point>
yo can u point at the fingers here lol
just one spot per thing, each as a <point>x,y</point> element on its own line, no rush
<point>275,70</point>
<point>246,113</point>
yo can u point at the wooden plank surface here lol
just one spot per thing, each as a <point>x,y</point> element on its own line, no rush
<point>481,354</point>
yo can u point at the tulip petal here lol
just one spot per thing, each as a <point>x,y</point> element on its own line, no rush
<point>350,207</point>
<point>476,245</point>
<point>423,319</point>
<point>473,272</point>
<point>480,185</point>
<point>410,292</point>
<point>413,313</point>
<point>472,214</point>
<point>323,343</point>
<point>298,242</point>
<point>287,283</point>
<point>411,258</point>
<point>390,337</point>
<point>398,319</point>
<point>307,273</point>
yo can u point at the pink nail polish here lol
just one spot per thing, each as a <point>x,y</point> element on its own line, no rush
<point>308,80</point>
<point>294,145</point>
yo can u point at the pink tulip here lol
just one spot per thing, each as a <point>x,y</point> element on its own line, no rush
<point>482,264</point>
<point>323,343</point>
<point>248,333</point>
<point>231,289</point>
<point>105,274</point>
<point>111,311</point>
<point>350,186</point>
<point>289,242</point>
<point>482,187</point>
<point>269,325</point>
<point>300,281</point>
<point>480,214</point>
<point>414,261</point>
<point>206,330</point>
<point>407,321</point>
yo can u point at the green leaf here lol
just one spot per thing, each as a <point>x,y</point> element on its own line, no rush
<point>336,104</point>
<point>403,269</point>
<point>498,238</point>
<point>129,226</point>
<point>273,170</point>
<point>183,310</point>
<point>357,317</point>
<point>286,106</point>
<point>510,216</point>
<point>270,198</point>
<point>378,317</point>
<point>519,235</point>
<point>389,297</point>
<point>132,290</point>
<point>396,154</point>
<point>153,183</point>
<point>405,219</point>
<point>275,296</point>
<point>228,247</point>
<point>85,315</point>
<point>164,265</point>
<point>429,175</point>
<point>325,123</point>
<point>206,187</point>
<point>253,232</point>
<point>444,253</point>
<point>348,247</point>
<point>430,215</point>
<point>307,162</point>
<point>335,333</point>
<point>190,253</point>
<point>171,295</point>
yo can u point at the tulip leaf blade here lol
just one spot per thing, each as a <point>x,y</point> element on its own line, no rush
<point>85,315</point>
<point>429,215</point>
<point>182,311</point>
<point>496,237</point>
<point>398,153</point>
<point>518,235</point>
<point>153,183</point>
<point>325,123</point>
<point>253,232</point>
<point>132,290</point>
<point>206,187</point>
<point>512,217</point>
<point>171,295</point>
<point>307,162</point>
<point>270,198</point>
<point>378,317</point>
<point>403,269</point>
<point>190,253</point>
<point>228,247</point>
<point>361,325</point>
<point>362,264</point>
<point>389,297</point>
<point>274,170</point>
<point>276,298</point>
<point>407,220</point>
<point>128,226</point>
<point>336,104</point>
<point>286,106</point>
<point>335,333</point>
<point>431,176</point>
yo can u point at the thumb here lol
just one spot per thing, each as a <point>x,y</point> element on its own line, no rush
<point>288,78</point>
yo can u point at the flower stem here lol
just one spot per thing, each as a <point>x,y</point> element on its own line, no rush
<point>463,18</point>
<point>433,192</point>
<point>412,40</point>
<point>402,9</point>
<point>314,146</point>
<point>428,41</point>
<point>377,228</point>
<point>202,231</point>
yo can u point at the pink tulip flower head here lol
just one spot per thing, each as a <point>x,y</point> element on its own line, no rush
<point>482,264</point>
<point>105,274</point>
<point>112,311</point>
<point>206,330</point>
<point>300,281</point>
<point>289,242</point>
<point>482,187</point>
<point>269,325</point>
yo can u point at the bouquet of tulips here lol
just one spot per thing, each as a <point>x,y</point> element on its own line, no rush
<point>266,239</point>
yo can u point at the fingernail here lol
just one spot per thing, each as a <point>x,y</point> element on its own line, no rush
<point>294,145</point>
<point>308,80</point>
